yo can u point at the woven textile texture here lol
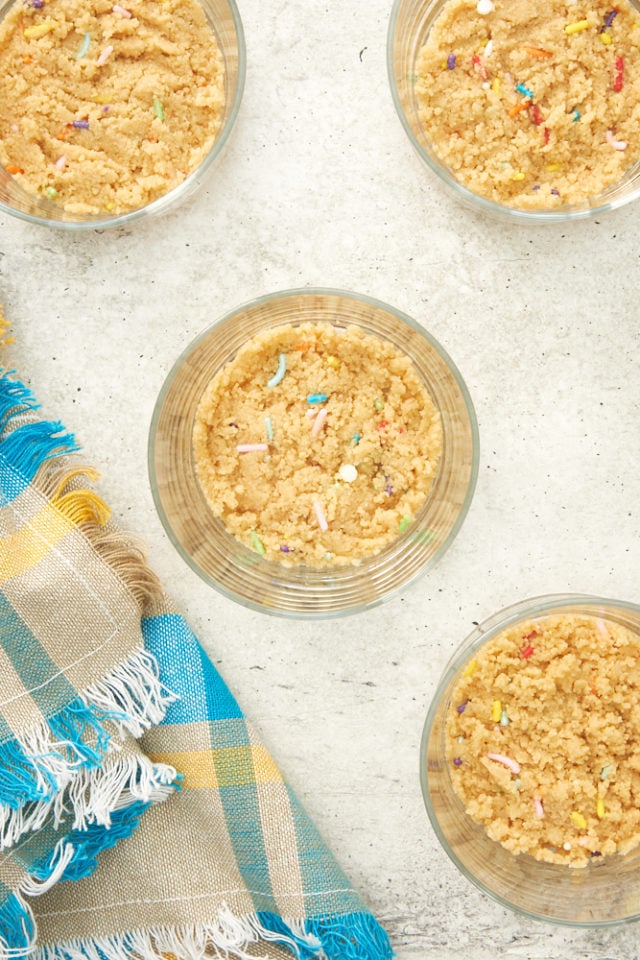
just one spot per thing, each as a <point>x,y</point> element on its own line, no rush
<point>140,814</point>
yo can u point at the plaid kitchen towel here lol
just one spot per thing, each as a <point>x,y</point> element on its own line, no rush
<point>140,814</point>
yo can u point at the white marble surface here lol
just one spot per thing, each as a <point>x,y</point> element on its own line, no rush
<point>319,186</point>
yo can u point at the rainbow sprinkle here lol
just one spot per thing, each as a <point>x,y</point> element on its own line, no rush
<point>451,61</point>
<point>513,765</point>
<point>257,544</point>
<point>317,398</point>
<point>158,109</point>
<point>320,515</point>
<point>82,52</point>
<point>579,820</point>
<point>280,372</point>
<point>576,27</point>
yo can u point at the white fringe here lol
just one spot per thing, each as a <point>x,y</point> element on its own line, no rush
<point>61,857</point>
<point>229,937</point>
<point>133,689</point>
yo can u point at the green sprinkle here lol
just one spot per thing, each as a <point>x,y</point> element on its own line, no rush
<point>82,52</point>
<point>404,523</point>
<point>378,404</point>
<point>51,192</point>
<point>158,108</point>
<point>257,544</point>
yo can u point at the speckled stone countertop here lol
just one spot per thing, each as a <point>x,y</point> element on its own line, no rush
<point>320,186</point>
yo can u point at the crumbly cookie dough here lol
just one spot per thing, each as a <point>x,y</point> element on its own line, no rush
<point>317,444</point>
<point>543,738</point>
<point>533,105</point>
<point>105,107</point>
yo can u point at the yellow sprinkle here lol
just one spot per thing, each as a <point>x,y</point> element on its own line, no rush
<point>470,668</point>
<point>333,362</point>
<point>496,711</point>
<point>606,38</point>
<point>553,167</point>
<point>495,85</point>
<point>33,33</point>
<point>577,26</point>
<point>600,808</point>
<point>102,98</point>
<point>110,205</point>
<point>579,820</point>
<point>518,176</point>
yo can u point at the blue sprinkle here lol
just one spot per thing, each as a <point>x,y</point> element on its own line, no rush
<point>576,116</point>
<point>81,124</point>
<point>451,61</point>
<point>280,372</point>
<point>524,91</point>
<point>356,439</point>
<point>317,398</point>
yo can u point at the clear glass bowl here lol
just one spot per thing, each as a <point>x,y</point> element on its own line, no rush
<point>607,890</point>
<point>409,25</point>
<point>301,591</point>
<point>224,19</point>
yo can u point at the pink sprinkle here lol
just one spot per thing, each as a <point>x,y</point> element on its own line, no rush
<point>513,765</point>
<point>60,162</point>
<point>121,10</point>
<point>539,808</point>
<point>616,144</point>
<point>319,422</point>
<point>322,520</point>
<point>251,447</point>
<point>104,56</point>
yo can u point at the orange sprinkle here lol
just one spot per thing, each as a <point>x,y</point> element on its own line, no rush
<point>518,107</point>
<point>305,345</point>
<point>64,133</point>
<point>28,59</point>
<point>538,52</point>
<point>12,168</point>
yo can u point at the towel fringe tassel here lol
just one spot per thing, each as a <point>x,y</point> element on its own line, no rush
<point>17,928</point>
<point>37,766</point>
<point>356,936</point>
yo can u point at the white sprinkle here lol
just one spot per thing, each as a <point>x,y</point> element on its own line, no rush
<point>60,162</point>
<point>121,10</point>
<point>251,447</point>
<point>566,846</point>
<point>616,144</point>
<point>484,7</point>
<point>486,85</point>
<point>488,50</point>
<point>311,413</point>
<point>348,472</point>
<point>513,765</point>
<point>319,422</point>
<point>539,808</point>
<point>104,56</point>
<point>322,520</point>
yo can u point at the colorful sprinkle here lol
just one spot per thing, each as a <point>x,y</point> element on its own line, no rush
<point>518,176</point>
<point>616,144</point>
<point>577,26</point>
<point>576,116</point>
<point>39,30</point>
<point>104,56</point>
<point>280,372</point>
<point>451,61</point>
<point>495,85</point>
<point>251,447</point>
<point>61,162</point>
<point>257,544</point>
<point>527,652</point>
<point>378,404</point>
<point>269,427</point>
<point>318,423</point>
<point>457,762</point>
<point>605,38</point>
<point>121,11</point>
<point>470,668</point>
<point>13,168</point>
<point>348,472</point>
<point>333,362</point>
<point>618,82</point>
<point>539,809</point>
<point>605,773</point>
<point>546,135</point>
<point>80,124</point>
<point>317,398</point>
<point>525,91</point>
<point>403,525</point>
<point>519,107</point>
<point>285,549</point>
<point>608,20</point>
<point>555,192</point>
<point>51,192</point>
<point>513,765</point>
<point>536,114</point>
<point>488,50</point>
<point>517,783</point>
<point>504,719</point>
<point>579,820</point>
<point>553,167</point>
<point>158,108</point>
<point>462,706</point>
<point>600,811</point>
<point>496,711</point>
<point>82,52</point>
<point>320,515</point>
<point>538,52</point>
<point>355,439</point>
<point>484,7</point>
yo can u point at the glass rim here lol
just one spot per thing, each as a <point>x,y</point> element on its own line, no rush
<point>346,574</point>
<point>475,200</point>
<point>166,200</point>
<point>520,610</point>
